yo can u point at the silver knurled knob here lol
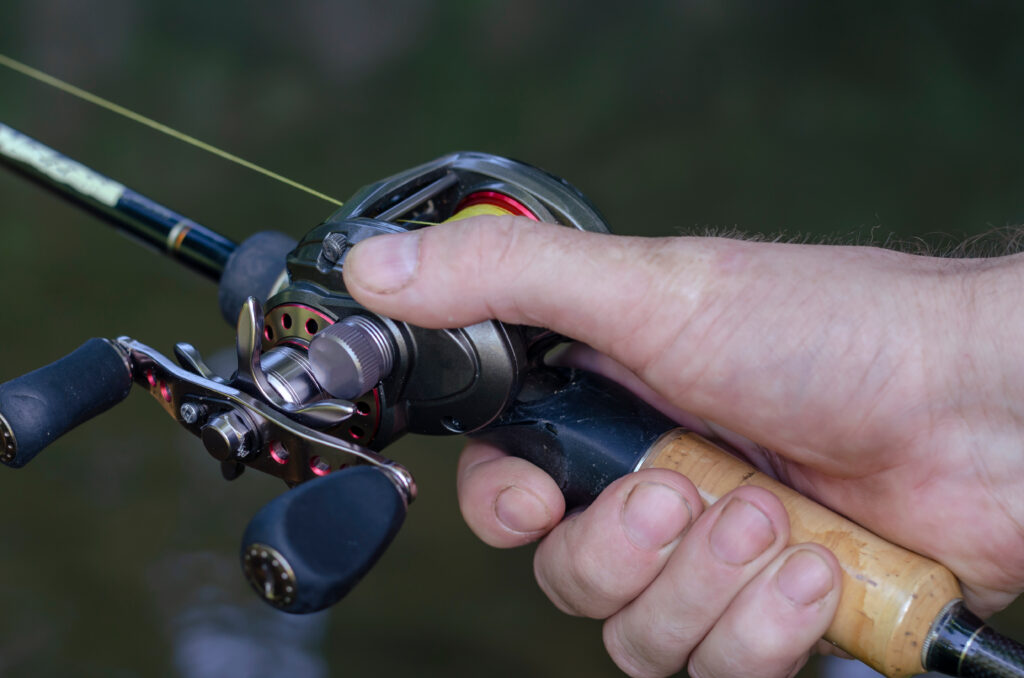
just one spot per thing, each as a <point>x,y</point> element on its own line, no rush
<point>351,356</point>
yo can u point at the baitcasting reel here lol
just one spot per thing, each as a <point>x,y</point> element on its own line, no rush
<point>323,384</point>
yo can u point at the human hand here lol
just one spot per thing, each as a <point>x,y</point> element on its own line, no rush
<point>885,386</point>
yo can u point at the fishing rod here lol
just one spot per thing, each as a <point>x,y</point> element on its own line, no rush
<point>324,385</point>
<point>146,221</point>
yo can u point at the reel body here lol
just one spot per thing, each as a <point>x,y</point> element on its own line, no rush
<point>323,385</point>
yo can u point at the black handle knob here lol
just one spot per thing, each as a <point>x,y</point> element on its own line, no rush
<point>41,406</point>
<point>307,548</point>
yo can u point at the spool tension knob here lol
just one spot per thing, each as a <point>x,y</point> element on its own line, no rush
<point>350,357</point>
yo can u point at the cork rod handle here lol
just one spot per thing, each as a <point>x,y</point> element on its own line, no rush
<point>890,596</point>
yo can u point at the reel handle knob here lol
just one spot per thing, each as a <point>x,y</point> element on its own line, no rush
<point>308,547</point>
<point>39,407</point>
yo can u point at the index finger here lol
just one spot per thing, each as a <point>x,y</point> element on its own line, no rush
<point>506,501</point>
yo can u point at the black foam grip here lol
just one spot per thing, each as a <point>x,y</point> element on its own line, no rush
<point>323,536</point>
<point>43,405</point>
<point>252,271</point>
<point>580,428</point>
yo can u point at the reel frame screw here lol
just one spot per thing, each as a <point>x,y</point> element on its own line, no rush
<point>191,413</point>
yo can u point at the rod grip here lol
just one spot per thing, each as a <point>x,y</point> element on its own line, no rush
<point>39,407</point>
<point>581,429</point>
<point>891,597</point>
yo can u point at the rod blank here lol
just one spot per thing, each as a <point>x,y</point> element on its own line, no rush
<point>142,219</point>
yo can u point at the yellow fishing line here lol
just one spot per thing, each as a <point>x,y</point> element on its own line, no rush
<point>153,124</point>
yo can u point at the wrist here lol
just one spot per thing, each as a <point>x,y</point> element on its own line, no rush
<point>991,405</point>
<point>989,338</point>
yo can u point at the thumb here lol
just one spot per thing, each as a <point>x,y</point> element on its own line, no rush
<point>604,290</point>
<point>761,338</point>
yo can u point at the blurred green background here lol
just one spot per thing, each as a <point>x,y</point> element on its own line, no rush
<point>118,548</point>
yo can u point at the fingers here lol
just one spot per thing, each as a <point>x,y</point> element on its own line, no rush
<point>598,560</point>
<point>726,548</point>
<point>505,500</point>
<point>771,625</point>
<point>722,589</point>
<point>715,589</point>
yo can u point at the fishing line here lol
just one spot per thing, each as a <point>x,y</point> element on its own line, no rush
<point>153,124</point>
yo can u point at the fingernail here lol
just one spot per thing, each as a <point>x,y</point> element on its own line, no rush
<point>742,533</point>
<point>654,515</point>
<point>521,511</point>
<point>385,263</point>
<point>805,577</point>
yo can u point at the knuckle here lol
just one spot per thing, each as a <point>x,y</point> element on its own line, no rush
<point>797,665</point>
<point>762,651</point>
<point>734,662</point>
<point>588,586</point>
<point>549,584</point>
<point>575,575</point>
<point>502,255</point>
<point>773,652</point>
<point>627,654</point>
<point>653,640</point>
<point>696,669</point>
<point>497,241</point>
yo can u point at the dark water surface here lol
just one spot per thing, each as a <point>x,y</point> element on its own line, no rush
<point>118,547</point>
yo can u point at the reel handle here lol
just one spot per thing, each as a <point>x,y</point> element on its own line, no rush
<point>308,547</point>
<point>39,407</point>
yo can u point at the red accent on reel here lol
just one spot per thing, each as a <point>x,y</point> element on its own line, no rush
<point>499,200</point>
